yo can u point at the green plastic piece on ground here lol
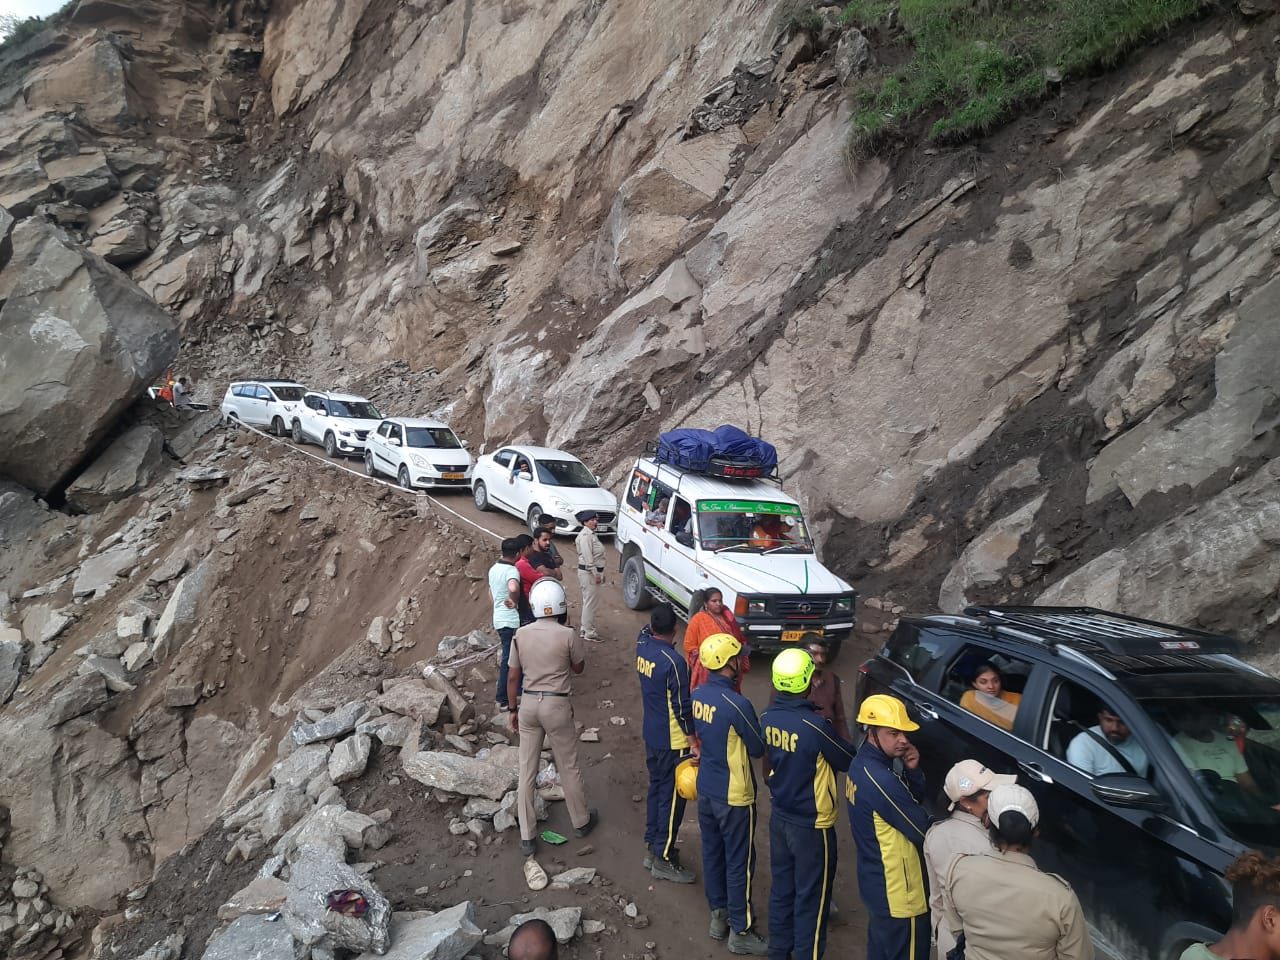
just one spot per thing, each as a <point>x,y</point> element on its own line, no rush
<point>552,837</point>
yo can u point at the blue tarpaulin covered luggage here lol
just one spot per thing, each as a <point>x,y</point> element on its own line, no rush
<point>725,451</point>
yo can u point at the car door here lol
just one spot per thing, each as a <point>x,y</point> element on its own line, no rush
<point>313,418</point>
<point>522,491</point>
<point>679,567</point>
<point>375,446</point>
<point>498,479</point>
<point>1114,856</point>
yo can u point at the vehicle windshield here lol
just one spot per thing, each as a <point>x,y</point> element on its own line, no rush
<point>291,394</point>
<point>752,526</point>
<point>355,409</point>
<point>565,473</point>
<point>1232,747</point>
<point>439,437</point>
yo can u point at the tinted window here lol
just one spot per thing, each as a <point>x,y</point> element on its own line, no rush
<point>565,473</point>
<point>440,437</point>
<point>355,409</point>
<point>502,457</point>
<point>315,403</point>
<point>914,650</point>
<point>384,429</point>
<point>986,683</point>
<point>242,390</point>
<point>1091,735</point>
<point>289,394</point>
<point>262,393</point>
<point>754,526</point>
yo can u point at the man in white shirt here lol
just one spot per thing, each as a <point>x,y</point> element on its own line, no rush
<point>1088,754</point>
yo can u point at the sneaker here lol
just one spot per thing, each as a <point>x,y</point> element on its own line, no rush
<point>528,847</point>
<point>587,827</point>
<point>648,858</point>
<point>748,943</point>
<point>671,870</point>
<point>719,925</point>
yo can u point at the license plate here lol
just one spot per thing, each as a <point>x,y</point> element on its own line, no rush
<point>452,476</point>
<point>793,636</point>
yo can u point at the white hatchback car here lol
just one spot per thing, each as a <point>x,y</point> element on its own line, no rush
<point>529,481</point>
<point>339,422</point>
<point>263,403</point>
<point>418,453</point>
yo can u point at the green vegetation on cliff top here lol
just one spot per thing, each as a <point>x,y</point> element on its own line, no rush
<point>973,63</point>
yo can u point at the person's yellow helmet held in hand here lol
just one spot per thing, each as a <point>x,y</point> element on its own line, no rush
<point>718,649</point>
<point>687,779</point>
<point>880,710</point>
<point>792,671</point>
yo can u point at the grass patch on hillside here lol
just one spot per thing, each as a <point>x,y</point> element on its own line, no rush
<point>974,62</point>
<point>15,30</point>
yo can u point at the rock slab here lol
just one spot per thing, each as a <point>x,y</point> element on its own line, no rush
<point>251,938</point>
<point>447,935</point>
<point>458,774</point>
<point>128,465</point>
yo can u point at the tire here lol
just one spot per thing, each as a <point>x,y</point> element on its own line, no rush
<point>635,590</point>
<point>296,431</point>
<point>480,495</point>
<point>531,519</point>
<point>833,650</point>
<point>402,477</point>
<point>231,420</point>
<point>330,446</point>
<point>277,427</point>
<point>369,469</point>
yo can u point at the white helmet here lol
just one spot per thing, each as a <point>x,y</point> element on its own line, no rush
<point>546,597</point>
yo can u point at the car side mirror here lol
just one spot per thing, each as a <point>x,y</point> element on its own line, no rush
<point>684,538</point>
<point>1126,790</point>
<point>526,475</point>
<point>465,443</point>
<point>393,442</point>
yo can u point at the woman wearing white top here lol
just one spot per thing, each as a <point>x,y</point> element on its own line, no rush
<point>967,786</point>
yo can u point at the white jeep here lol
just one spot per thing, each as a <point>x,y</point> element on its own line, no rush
<point>339,422</point>
<point>680,532</point>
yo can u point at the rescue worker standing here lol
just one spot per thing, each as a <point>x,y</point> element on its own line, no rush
<point>726,725</point>
<point>803,757</point>
<point>543,655</point>
<point>590,572</point>
<point>668,739</point>
<point>889,823</point>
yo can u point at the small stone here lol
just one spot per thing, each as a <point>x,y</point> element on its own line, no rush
<point>458,827</point>
<point>24,889</point>
<point>586,850</point>
<point>182,694</point>
<point>618,721</point>
<point>631,910</point>
<point>504,248</point>
<point>310,512</point>
<point>592,926</point>
<point>300,606</point>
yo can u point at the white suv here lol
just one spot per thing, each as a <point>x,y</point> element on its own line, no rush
<point>263,403</point>
<point>418,453</point>
<point>680,532</point>
<point>339,422</point>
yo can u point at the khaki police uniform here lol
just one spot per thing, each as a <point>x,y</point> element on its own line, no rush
<point>543,652</point>
<point>590,567</point>
<point>1008,908</point>
<point>960,833</point>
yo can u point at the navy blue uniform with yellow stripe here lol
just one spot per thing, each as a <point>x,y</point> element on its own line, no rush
<point>888,824</point>
<point>805,758</point>
<point>667,728</point>
<point>729,730</point>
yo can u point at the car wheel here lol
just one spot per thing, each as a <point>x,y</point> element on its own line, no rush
<point>330,446</point>
<point>369,469</point>
<point>277,427</point>
<point>833,650</point>
<point>531,519</point>
<point>480,495</point>
<point>403,477</point>
<point>231,420</point>
<point>635,591</point>
<point>297,432</point>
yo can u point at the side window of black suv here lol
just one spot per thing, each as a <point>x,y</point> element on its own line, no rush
<point>1093,736</point>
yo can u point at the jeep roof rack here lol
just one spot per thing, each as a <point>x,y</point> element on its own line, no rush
<point>720,467</point>
<point>1115,633</point>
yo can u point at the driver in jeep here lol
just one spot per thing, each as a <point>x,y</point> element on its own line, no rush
<point>769,532</point>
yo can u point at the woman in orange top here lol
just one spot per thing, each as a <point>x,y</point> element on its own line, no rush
<point>713,618</point>
<point>989,699</point>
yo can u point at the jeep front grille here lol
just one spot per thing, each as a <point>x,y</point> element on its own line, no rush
<point>802,608</point>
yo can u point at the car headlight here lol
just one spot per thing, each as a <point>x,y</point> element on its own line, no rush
<point>842,605</point>
<point>757,607</point>
<point>345,433</point>
<point>562,505</point>
<point>417,460</point>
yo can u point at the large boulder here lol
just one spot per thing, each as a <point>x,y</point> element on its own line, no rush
<point>79,342</point>
<point>128,465</point>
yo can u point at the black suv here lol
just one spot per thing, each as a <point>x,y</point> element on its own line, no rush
<point>1143,837</point>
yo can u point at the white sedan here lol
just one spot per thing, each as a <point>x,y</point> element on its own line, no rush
<point>529,481</point>
<point>418,453</point>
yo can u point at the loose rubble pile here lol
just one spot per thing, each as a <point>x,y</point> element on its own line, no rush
<point>31,924</point>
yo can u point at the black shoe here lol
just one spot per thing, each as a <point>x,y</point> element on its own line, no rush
<point>528,847</point>
<point>587,827</point>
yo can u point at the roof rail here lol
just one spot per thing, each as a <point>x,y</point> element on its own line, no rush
<point>1116,633</point>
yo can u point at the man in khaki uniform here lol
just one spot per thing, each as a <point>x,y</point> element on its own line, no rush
<point>545,653</point>
<point>1005,906</point>
<point>590,571</point>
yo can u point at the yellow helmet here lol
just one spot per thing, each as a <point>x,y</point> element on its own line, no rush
<point>718,649</point>
<point>792,670</point>
<point>687,779</point>
<point>880,710</point>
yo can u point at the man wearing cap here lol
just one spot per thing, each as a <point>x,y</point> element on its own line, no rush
<point>668,739</point>
<point>590,571</point>
<point>803,756</point>
<point>888,823</point>
<point>727,727</point>
<point>1002,902</point>
<point>967,786</point>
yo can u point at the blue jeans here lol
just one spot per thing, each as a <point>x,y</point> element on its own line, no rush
<point>505,634</point>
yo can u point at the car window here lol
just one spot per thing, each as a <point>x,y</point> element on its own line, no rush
<point>969,682</point>
<point>915,650</point>
<point>383,429</point>
<point>441,438</point>
<point>262,393</point>
<point>681,513</point>
<point>502,458</point>
<point>355,409</point>
<point>1231,746</point>
<point>564,473</point>
<point>289,394</point>
<point>315,403</point>
<point>397,432</point>
<point>753,526</point>
<point>1092,735</point>
<point>638,490</point>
